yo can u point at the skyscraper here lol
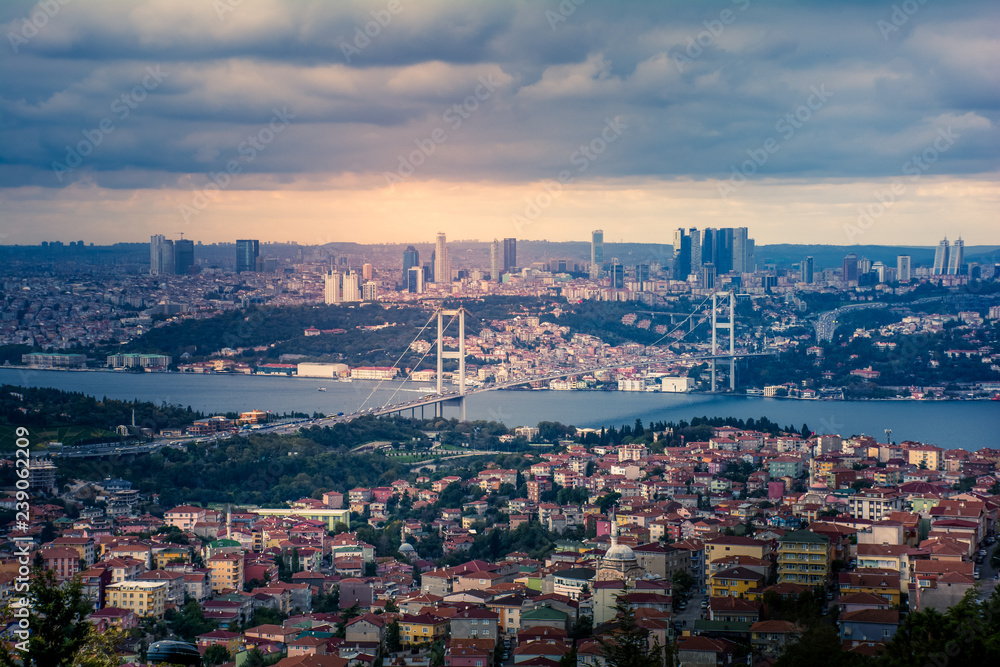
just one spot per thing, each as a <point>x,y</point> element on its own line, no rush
<point>442,267</point>
<point>183,256</point>
<point>717,249</point>
<point>509,254</point>
<point>247,252</point>
<point>708,246</point>
<point>957,258</point>
<point>352,287</point>
<point>903,268</point>
<point>849,271</point>
<point>596,253</point>
<point>741,250</point>
<point>617,274</point>
<point>367,271</point>
<point>642,273</point>
<point>682,255</point>
<point>695,251</point>
<point>415,280</point>
<point>496,260</point>
<point>708,276</point>
<point>161,255</point>
<point>333,292</point>
<point>411,258</point>
<point>806,269</point>
<point>724,251</point>
<point>941,258</point>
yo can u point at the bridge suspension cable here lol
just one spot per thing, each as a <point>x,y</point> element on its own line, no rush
<point>417,337</point>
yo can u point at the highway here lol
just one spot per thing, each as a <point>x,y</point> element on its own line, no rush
<point>826,323</point>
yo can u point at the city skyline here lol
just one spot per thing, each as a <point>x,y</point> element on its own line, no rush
<point>540,120</point>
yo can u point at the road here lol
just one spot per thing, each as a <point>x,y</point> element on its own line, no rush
<point>826,324</point>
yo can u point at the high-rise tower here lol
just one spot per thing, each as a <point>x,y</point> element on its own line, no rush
<point>596,253</point>
<point>247,252</point>
<point>957,258</point>
<point>941,256</point>
<point>496,260</point>
<point>807,268</point>
<point>442,267</point>
<point>161,255</point>
<point>183,256</point>
<point>903,273</point>
<point>509,253</point>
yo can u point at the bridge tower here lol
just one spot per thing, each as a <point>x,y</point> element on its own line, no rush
<point>731,325</point>
<point>442,355</point>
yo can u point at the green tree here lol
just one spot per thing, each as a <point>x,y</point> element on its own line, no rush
<point>254,658</point>
<point>392,640</point>
<point>627,645</point>
<point>215,655</point>
<point>58,621</point>
<point>683,581</point>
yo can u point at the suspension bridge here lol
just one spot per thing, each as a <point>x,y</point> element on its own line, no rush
<point>438,399</point>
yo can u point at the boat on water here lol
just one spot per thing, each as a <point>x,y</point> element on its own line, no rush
<point>321,389</point>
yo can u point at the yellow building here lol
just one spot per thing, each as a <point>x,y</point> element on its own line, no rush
<point>873,582</point>
<point>737,582</point>
<point>164,556</point>
<point>724,546</point>
<point>330,517</point>
<point>144,598</point>
<point>421,628</point>
<point>803,558</point>
<point>928,455</point>
<point>227,573</point>
<point>888,476</point>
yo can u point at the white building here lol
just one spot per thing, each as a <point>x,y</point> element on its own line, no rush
<point>676,384</point>
<point>316,370</point>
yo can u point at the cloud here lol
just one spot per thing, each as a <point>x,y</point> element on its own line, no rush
<point>700,85</point>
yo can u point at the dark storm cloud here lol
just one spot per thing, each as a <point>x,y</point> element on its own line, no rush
<point>846,89</point>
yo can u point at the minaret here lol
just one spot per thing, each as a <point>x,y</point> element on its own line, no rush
<point>229,521</point>
<point>614,529</point>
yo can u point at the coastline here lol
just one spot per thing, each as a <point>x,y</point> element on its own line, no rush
<point>13,367</point>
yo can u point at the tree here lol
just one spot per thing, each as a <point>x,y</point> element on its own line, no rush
<point>60,630</point>
<point>582,628</point>
<point>628,645</point>
<point>392,641</point>
<point>254,658</point>
<point>683,581</point>
<point>352,612</point>
<point>215,655</point>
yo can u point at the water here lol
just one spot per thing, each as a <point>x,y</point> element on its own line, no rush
<point>964,424</point>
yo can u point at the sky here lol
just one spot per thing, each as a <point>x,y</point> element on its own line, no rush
<point>312,121</point>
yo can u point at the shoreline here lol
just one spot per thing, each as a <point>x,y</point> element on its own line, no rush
<point>337,380</point>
